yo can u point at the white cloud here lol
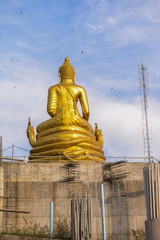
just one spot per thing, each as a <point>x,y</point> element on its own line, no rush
<point>126,35</point>
<point>150,11</point>
<point>109,83</point>
<point>27,46</point>
<point>111,21</point>
<point>95,28</point>
<point>22,95</point>
<point>123,23</point>
<point>121,123</point>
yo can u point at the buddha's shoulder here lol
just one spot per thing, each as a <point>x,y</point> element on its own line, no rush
<point>79,87</point>
<point>54,87</point>
<point>74,86</point>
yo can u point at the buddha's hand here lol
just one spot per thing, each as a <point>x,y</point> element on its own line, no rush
<point>30,133</point>
<point>100,137</point>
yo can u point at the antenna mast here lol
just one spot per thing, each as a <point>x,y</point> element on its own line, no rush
<point>144,94</point>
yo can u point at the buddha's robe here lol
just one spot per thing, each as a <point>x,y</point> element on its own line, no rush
<point>67,135</point>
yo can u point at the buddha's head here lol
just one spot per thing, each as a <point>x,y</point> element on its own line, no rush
<point>66,71</point>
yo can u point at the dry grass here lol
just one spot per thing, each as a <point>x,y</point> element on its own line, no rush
<point>62,230</point>
<point>134,235</point>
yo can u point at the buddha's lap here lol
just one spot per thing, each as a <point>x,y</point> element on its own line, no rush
<point>67,140</point>
<point>67,122</point>
<point>69,146</point>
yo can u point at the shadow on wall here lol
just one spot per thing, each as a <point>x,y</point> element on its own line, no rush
<point>123,207</point>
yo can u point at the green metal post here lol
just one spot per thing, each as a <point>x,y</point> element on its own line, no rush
<point>51,219</point>
<point>103,213</point>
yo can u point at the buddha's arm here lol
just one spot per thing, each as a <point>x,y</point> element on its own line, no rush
<point>52,101</point>
<point>84,103</point>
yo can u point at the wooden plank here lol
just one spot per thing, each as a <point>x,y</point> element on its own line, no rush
<point>14,211</point>
<point>89,218</point>
<point>150,192</point>
<point>159,190</point>
<point>146,189</point>
<point>156,190</point>
<point>72,220</point>
<point>78,219</point>
<point>81,218</point>
<point>153,190</point>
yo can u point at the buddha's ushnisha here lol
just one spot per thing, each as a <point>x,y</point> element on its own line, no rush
<point>66,135</point>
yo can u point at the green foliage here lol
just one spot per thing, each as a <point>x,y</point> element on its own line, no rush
<point>138,234</point>
<point>134,235</point>
<point>62,230</point>
<point>33,230</point>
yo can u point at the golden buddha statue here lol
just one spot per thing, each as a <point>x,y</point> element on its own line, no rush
<point>66,136</point>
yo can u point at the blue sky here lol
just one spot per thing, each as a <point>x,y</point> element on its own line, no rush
<point>105,40</point>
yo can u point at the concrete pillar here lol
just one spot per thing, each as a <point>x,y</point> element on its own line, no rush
<point>1,196</point>
<point>0,146</point>
<point>0,150</point>
<point>152,227</point>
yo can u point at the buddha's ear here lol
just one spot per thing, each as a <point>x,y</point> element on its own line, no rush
<point>59,75</point>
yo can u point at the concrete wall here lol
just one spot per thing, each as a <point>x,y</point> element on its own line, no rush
<point>31,187</point>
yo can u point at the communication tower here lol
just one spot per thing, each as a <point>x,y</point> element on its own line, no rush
<point>143,78</point>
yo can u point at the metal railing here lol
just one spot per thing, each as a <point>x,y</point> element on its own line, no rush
<point>60,158</point>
